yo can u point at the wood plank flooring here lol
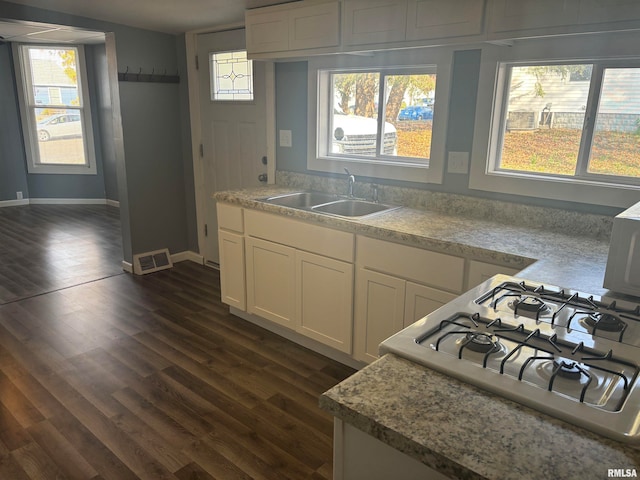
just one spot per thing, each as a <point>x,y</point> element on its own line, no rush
<point>47,247</point>
<point>151,378</point>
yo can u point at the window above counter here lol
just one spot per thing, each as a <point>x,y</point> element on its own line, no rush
<point>560,120</point>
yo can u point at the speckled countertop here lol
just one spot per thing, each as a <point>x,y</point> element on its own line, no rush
<point>573,258</point>
<point>465,432</point>
<point>449,425</point>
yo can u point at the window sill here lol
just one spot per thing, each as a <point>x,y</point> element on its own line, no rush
<point>556,188</point>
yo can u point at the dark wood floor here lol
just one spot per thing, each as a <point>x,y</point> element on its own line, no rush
<point>151,377</point>
<point>47,247</point>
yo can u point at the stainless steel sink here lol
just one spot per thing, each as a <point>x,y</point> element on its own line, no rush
<point>329,204</point>
<point>301,199</point>
<point>352,208</point>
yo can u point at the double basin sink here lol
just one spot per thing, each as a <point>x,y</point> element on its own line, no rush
<point>329,204</point>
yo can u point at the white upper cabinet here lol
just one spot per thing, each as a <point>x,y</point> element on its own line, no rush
<point>508,16</point>
<point>298,26</point>
<point>314,26</point>
<point>523,18</point>
<point>599,11</point>
<point>431,19</point>
<point>374,21</point>
<point>385,21</point>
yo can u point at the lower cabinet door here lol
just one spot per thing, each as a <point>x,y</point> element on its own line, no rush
<point>324,300</point>
<point>379,311</point>
<point>271,276</point>
<point>421,301</point>
<point>232,279</point>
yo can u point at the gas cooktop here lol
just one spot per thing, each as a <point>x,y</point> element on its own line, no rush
<point>568,354</point>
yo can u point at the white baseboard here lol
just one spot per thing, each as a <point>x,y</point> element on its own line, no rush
<point>127,267</point>
<point>67,201</point>
<point>14,203</point>
<point>60,201</point>
<point>295,337</point>
<point>187,256</point>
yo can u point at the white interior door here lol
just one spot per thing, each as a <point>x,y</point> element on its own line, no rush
<point>234,132</point>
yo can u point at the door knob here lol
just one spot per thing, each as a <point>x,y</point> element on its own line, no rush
<point>262,177</point>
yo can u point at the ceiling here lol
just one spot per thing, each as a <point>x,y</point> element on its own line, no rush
<point>168,16</point>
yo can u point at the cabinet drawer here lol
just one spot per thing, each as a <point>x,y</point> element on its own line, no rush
<point>411,263</point>
<point>300,235</point>
<point>230,217</point>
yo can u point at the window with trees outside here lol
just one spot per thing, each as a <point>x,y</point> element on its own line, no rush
<point>381,116</point>
<point>577,120</point>
<point>54,106</point>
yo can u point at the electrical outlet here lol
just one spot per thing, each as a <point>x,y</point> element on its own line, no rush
<point>458,162</point>
<point>19,195</point>
<point>285,138</point>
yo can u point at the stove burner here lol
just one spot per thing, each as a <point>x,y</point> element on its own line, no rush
<point>529,305</point>
<point>605,322</point>
<point>481,342</point>
<point>567,369</point>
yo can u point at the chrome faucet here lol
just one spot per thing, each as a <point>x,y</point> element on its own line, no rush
<point>352,181</point>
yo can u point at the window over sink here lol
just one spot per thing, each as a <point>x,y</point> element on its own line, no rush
<point>382,116</point>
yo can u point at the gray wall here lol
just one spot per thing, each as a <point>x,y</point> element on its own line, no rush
<point>152,160</point>
<point>291,114</point>
<point>103,120</point>
<point>13,167</point>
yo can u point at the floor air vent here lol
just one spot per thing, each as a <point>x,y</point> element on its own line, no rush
<point>150,262</point>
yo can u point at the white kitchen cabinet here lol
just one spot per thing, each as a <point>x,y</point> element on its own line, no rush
<point>481,271</point>
<point>510,16</point>
<point>380,303</point>
<point>271,277</point>
<point>300,275</point>
<point>367,22</point>
<point>526,18</point>
<point>357,455</point>
<point>266,31</point>
<point>373,21</point>
<point>325,300</point>
<point>232,259</point>
<point>395,286</point>
<point>420,301</point>
<point>601,11</point>
<point>432,19</point>
<point>385,305</point>
<point>298,26</point>
<point>232,269</point>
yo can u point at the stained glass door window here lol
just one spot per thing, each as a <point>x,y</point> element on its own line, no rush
<point>231,76</point>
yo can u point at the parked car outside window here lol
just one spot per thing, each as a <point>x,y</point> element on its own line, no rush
<point>357,135</point>
<point>416,112</point>
<point>58,126</point>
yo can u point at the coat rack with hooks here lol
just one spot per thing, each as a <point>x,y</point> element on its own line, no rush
<point>152,77</point>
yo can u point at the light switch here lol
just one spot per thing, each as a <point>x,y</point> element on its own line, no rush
<point>285,138</point>
<point>458,162</point>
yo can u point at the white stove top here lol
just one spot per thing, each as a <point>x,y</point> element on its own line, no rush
<point>562,352</point>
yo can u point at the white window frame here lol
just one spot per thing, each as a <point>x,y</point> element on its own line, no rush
<point>396,168</point>
<point>485,173</point>
<point>29,127</point>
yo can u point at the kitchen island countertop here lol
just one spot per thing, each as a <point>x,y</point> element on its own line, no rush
<point>465,432</point>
